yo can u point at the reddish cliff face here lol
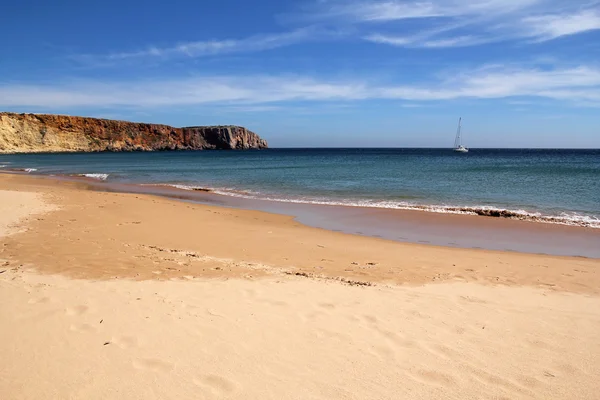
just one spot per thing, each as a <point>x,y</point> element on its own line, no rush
<point>51,133</point>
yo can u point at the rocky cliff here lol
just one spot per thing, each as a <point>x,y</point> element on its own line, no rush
<point>26,133</point>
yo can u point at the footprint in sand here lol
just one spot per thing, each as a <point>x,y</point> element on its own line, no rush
<point>39,300</point>
<point>567,369</point>
<point>430,377</point>
<point>312,316</point>
<point>82,328</point>
<point>153,364</point>
<point>277,303</point>
<point>490,379</point>
<point>472,299</point>
<point>383,351</point>
<point>441,351</point>
<point>125,342</point>
<point>529,382</point>
<point>370,319</point>
<point>328,306</point>
<point>77,310</point>
<point>540,344</point>
<point>215,384</point>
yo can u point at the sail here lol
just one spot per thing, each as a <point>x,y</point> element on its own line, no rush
<point>457,140</point>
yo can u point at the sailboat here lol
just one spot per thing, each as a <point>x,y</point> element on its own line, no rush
<point>457,142</point>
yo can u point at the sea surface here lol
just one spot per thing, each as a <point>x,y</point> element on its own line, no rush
<point>556,186</point>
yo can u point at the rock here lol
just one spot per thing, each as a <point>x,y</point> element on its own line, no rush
<point>25,133</point>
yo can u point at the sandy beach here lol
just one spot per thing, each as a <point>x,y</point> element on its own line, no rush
<point>115,295</point>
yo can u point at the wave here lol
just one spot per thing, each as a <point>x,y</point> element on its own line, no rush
<point>572,219</point>
<point>27,170</point>
<point>101,177</point>
<point>223,191</point>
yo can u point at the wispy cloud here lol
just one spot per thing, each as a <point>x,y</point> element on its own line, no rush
<point>420,41</point>
<point>402,23</point>
<point>212,47</point>
<point>454,23</point>
<point>395,10</point>
<point>456,41</point>
<point>378,11</point>
<point>548,27</point>
<point>186,91</point>
<point>497,82</point>
<point>579,84</point>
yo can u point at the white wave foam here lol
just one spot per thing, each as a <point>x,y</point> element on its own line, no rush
<point>563,219</point>
<point>183,187</point>
<point>101,177</point>
<point>28,170</point>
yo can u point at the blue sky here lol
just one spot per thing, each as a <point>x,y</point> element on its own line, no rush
<point>521,73</point>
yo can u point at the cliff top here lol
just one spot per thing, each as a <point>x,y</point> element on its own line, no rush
<point>9,113</point>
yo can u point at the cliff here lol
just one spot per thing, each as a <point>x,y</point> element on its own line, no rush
<point>27,133</point>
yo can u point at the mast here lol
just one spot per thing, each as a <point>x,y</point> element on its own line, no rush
<point>457,140</point>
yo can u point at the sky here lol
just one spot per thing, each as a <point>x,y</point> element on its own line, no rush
<point>316,73</point>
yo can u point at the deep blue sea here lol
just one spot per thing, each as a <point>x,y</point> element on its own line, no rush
<point>556,185</point>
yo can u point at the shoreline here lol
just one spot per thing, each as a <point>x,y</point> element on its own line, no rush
<point>401,225</point>
<point>475,210</point>
<point>566,218</point>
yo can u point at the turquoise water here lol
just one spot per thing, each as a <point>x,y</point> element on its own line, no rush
<point>560,186</point>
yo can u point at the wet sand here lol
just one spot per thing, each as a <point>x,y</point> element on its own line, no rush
<point>116,295</point>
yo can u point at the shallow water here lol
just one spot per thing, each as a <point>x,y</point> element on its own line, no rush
<point>561,186</point>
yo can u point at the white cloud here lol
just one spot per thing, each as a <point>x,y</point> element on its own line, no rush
<point>422,23</point>
<point>187,91</point>
<point>456,41</point>
<point>387,39</point>
<point>211,47</point>
<point>458,23</point>
<point>420,41</point>
<point>385,11</point>
<point>548,27</point>
<point>394,10</point>
<point>581,84</point>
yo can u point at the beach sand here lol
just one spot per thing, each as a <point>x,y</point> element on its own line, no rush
<point>112,295</point>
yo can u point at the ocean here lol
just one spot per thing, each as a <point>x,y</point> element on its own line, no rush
<point>556,186</point>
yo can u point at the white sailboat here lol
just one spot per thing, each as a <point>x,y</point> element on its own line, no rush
<point>457,142</point>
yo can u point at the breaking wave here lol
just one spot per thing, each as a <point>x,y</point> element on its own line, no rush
<point>101,177</point>
<point>572,219</point>
<point>27,170</point>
